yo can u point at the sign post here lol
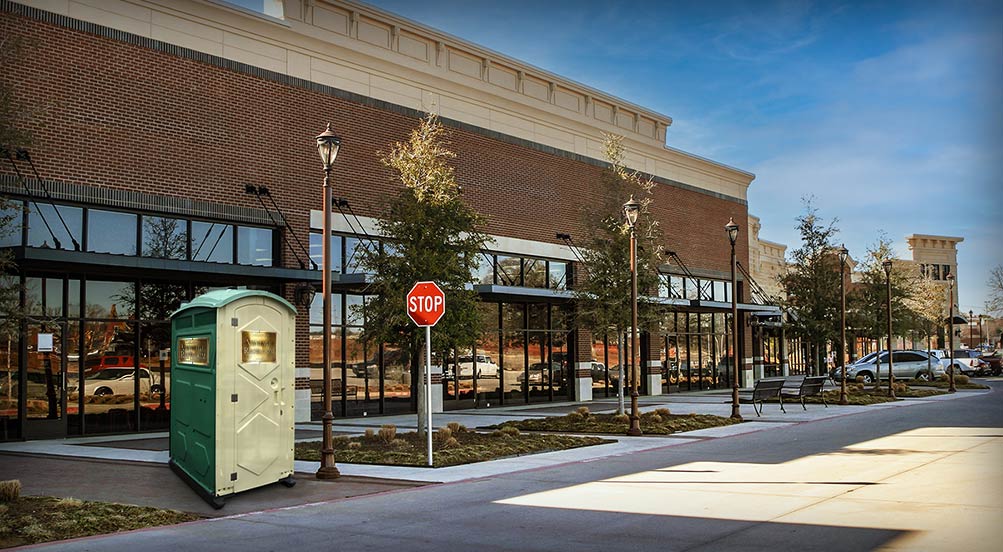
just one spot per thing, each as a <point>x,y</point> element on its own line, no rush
<point>425,305</point>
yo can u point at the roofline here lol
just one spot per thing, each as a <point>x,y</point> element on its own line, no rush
<point>665,119</point>
<point>751,176</point>
<point>933,237</point>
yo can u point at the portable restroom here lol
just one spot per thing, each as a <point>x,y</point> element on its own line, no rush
<point>232,392</point>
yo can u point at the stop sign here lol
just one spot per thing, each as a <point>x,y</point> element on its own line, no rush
<point>426,303</point>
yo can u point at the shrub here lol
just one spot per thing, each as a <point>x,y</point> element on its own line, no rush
<point>621,418</point>
<point>960,379</point>
<point>663,412</point>
<point>442,435</point>
<point>511,431</point>
<point>860,379</point>
<point>450,443</point>
<point>399,444</point>
<point>370,433</point>
<point>10,490</point>
<point>575,416</point>
<point>584,411</point>
<point>497,434</point>
<point>654,418</point>
<point>354,445</point>
<point>388,433</point>
<point>456,427</point>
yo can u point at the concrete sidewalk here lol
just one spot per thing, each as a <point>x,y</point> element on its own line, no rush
<point>152,448</point>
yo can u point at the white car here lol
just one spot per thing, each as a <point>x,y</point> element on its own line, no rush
<point>966,361</point>
<point>116,381</point>
<point>486,368</point>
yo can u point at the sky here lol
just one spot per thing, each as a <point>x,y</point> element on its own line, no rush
<point>888,115</point>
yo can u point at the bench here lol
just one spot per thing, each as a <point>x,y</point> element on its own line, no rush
<point>802,387</point>
<point>317,390</point>
<point>766,388</point>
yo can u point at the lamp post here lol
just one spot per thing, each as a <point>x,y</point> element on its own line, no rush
<point>980,331</point>
<point>887,265</point>
<point>732,229</point>
<point>971,330</point>
<point>843,254</point>
<point>950,333</point>
<point>327,145</point>
<point>630,211</point>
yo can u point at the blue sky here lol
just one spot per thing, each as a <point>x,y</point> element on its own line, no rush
<point>890,114</point>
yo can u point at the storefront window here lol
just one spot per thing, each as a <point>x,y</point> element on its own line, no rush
<point>353,255</point>
<point>9,387</point>
<point>317,252</point>
<point>165,238</point>
<point>534,273</point>
<point>109,377</point>
<point>254,246</point>
<point>110,299</point>
<point>44,226</point>
<point>508,270</point>
<point>111,232</point>
<point>558,275</point>
<point>44,296</point>
<point>484,274</point>
<point>212,242</point>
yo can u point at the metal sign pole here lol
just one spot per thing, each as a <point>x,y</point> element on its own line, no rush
<point>428,391</point>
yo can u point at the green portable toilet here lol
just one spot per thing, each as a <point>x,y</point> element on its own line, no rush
<point>232,392</point>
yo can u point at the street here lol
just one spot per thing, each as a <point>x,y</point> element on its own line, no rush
<point>921,477</point>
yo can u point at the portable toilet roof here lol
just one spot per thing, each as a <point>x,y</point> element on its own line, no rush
<point>218,298</point>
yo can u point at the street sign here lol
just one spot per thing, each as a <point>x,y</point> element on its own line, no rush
<point>426,304</point>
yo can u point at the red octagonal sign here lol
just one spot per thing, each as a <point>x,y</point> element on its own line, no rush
<point>426,303</point>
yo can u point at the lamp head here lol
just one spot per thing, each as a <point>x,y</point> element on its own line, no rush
<point>328,144</point>
<point>732,230</point>
<point>630,211</point>
<point>844,253</point>
<point>887,265</point>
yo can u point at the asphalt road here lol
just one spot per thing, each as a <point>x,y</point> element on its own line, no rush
<point>921,477</point>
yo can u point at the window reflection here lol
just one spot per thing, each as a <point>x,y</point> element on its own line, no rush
<point>534,273</point>
<point>254,246</point>
<point>165,238</point>
<point>212,242</point>
<point>44,296</point>
<point>110,299</point>
<point>353,255</point>
<point>111,232</point>
<point>43,224</point>
<point>158,301</point>
<point>484,273</point>
<point>558,275</point>
<point>317,252</point>
<point>508,270</point>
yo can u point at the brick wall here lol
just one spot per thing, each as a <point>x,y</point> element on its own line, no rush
<point>113,114</point>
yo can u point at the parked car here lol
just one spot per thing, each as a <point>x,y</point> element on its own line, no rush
<point>117,381</point>
<point>994,363</point>
<point>599,372</point>
<point>968,362</point>
<point>539,374</point>
<point>486,367</point>
<point>907,365</point>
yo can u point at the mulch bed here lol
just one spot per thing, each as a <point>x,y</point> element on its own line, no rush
<point>450,448</point>
<point>658,422</point>
<point>35,519</point>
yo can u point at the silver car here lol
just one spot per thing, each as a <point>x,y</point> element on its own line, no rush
<point>908,365</point>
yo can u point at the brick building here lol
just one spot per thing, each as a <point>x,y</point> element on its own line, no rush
<point>159,125</point>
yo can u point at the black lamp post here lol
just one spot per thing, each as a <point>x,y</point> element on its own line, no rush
<point>630,211</point>
<point>843,254</point>
<point>327,145</point>
<point>887,265</point>
<point>980,330</point>
<point>950,333</point>
<point>971,330</point>
<point>732,229</point>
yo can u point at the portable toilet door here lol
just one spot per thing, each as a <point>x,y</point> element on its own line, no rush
<point>259,388</point>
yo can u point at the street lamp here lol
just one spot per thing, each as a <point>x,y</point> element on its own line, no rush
<point>843,254</point>
<point>630,211</point>
<point>732,229</point>
<point>327,145</point>
<point>971,330</point>
<point>950,333</point>
<point>887,265</point>
<point>980,331</point>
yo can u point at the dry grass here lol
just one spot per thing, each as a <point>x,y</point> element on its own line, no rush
<point>35,519</point>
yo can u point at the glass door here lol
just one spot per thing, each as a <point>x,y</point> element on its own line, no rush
<point>44,382</point>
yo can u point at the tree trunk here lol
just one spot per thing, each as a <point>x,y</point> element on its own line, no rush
<point>622,338</point>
